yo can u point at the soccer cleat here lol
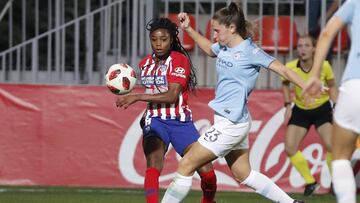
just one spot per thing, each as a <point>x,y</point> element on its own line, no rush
<point>298,201</point>
<point>311,188</point>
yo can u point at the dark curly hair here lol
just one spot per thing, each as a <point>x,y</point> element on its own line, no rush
<point>176,45</point>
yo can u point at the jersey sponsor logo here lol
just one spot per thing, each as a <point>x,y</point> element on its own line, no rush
<point>180,70</point>
<point>153,80</point>
<point>223,63</point>
<point>178,75</point>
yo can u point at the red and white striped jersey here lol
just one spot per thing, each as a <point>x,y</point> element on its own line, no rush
<point>156,78</point>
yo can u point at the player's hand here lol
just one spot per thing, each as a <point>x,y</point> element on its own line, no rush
<point>314,88</point>
<point>184,20</point>
<point>126,101</point>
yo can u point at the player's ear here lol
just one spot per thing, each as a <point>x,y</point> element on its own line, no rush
<point>171,40</point>
<point>232,27</point>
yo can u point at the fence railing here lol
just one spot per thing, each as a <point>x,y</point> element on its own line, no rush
<point>73,42</point>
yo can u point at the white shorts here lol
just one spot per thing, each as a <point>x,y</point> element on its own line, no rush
<point>225,136</point>
<point>347,110</point>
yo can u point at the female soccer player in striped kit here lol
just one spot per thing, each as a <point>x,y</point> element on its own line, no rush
<point>238,64</point>
<point>347,111</point>
<point>168,76</point>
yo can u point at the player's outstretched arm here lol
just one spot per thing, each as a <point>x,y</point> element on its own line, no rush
<point>169,96</point>
<point>203,42</point>
<point>314,86</point>
<point>288,74</point>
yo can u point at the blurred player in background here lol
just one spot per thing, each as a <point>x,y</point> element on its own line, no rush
<point>301,116</point>
<point>314,20</point>
<point>315,14</point>
<point>238,65</point>
<point>168,76</point>
<point>347,112</point>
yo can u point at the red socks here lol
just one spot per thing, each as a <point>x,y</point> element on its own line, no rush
<point>208,186</point>
<point>151,185</point>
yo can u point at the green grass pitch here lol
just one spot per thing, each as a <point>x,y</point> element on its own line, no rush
<point>12,194</point>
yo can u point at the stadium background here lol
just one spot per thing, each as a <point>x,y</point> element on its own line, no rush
<point>59,124</point>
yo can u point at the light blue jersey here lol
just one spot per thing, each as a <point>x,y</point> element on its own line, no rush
<point>237,69</point>
<point>350,14</point>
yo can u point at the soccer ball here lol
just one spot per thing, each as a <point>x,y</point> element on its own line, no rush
<point>120,78</point>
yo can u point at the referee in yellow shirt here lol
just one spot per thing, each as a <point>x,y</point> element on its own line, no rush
<point>300,117</point>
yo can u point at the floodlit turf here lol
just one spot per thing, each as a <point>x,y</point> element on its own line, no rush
<point>10,194</point>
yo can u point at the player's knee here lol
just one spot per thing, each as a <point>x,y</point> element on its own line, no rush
<point>328,148</point>
<point>152,162</point>
<point>241,175</point>
<point>187,167</point>
<point>206,168</point>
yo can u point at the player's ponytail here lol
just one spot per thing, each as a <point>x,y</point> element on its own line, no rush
<point>234,14</point>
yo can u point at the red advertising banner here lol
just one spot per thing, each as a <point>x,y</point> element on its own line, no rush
<point>75,136</point>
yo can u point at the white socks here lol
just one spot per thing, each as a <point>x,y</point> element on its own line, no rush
<point>181,186</point>
<point>178,189</point>
<point>266,187</point>
<point>344,181</point>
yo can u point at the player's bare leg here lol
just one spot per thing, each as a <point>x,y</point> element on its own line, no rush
<point>343,142</point>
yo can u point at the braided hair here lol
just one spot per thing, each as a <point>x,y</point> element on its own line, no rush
<point>176,45</point>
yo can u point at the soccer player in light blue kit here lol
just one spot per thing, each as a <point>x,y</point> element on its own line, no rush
<point>347,111</point>
<point>238,64</point>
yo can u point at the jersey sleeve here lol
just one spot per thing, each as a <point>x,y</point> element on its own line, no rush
<point>259,57</point>
<point>142,63</point>
<point>346,11</point>
<point>215,48</point>
<point>329,74</point>
<point>180,71</point>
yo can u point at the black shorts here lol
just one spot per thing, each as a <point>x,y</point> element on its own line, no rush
<point>317,116</point>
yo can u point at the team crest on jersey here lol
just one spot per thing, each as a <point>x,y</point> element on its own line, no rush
<point>162,67</point>
<point>256,50</point>
<point>237,55</point>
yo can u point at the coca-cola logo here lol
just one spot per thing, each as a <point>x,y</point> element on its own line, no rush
<point>260,153</point>
<point>127,155</point>
<point>265,156</point>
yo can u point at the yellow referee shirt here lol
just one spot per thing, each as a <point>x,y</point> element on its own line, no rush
<point>326,74</point>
